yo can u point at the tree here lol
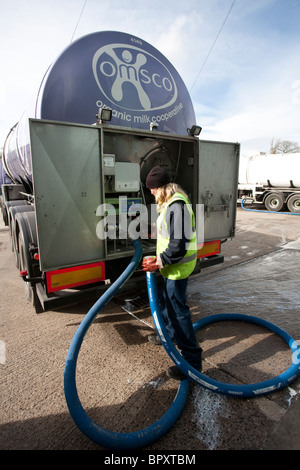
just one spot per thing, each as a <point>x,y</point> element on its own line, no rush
<point>284,146</point>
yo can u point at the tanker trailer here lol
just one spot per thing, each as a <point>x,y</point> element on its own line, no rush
<point>272,180</point>
<point>4,179</point>
<point>108,109</point>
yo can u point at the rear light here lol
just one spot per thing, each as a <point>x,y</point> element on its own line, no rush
<point>209,249</point>
<point>68,278</point>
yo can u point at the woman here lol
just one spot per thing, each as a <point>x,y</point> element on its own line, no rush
<point>176,256</point>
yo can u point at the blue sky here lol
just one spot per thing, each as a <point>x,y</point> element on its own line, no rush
<point>247,89</point>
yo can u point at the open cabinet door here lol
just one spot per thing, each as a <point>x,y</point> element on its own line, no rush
<point>67,175</point>
<point>218,167</point>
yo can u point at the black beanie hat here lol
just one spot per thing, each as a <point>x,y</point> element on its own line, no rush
<point>157,177</point>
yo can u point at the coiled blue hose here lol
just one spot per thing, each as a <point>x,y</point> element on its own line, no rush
<point>103,437</point>
<point>146,436</point>
<point>250,390</point>
<point>267,212</point>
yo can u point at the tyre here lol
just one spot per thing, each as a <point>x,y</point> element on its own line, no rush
<point>27,237</point>
<point>12,228</point>
<point>274,202</point>
<point>294,203</point>
<point>23,260</point>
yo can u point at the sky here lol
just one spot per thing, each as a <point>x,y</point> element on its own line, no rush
<point>239,59</point>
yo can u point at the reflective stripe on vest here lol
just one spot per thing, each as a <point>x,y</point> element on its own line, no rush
<point>187,264</point>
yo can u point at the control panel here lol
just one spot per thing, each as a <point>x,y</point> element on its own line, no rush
<point>121,177</point>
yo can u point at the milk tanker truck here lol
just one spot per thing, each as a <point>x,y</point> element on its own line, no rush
<point>272,180</point>
<point>108,109</point>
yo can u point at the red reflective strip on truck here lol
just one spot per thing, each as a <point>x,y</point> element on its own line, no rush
<point>67,278</point>
<point>209,249</point>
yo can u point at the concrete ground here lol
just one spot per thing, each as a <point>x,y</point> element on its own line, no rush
<point>121,377</point>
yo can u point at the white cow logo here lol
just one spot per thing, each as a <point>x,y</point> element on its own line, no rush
<point>117,64</point>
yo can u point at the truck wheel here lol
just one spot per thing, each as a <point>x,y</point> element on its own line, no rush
<point>27,237</point>
<point>294,203</point>
<point>274,202</point>
<point>24,267</point>
<point>12,228</point>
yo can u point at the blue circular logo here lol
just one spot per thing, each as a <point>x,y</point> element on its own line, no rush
<point>118,71</point>
<point>149,84</point>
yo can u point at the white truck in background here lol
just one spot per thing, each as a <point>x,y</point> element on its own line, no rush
<point>272,180</point>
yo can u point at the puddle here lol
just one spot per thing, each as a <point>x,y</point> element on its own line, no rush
<point>209,408</point>
<point>267,287</point>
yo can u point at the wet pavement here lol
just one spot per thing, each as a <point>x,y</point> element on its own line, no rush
<point>121,377</point>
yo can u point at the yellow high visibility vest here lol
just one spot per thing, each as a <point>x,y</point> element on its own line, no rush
<point>186,265</point>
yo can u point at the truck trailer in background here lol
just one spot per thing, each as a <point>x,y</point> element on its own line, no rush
<point>272,180</point>
<point>78,182</point>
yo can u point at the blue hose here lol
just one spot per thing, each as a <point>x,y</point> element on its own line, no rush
<point>250,390</point>
<point>267,212</point>
<point>93,431</point>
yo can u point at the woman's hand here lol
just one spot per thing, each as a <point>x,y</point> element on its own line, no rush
<point>150,264</point>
